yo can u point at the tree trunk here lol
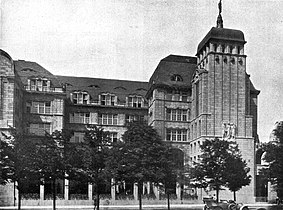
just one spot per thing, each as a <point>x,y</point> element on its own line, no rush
<point>217,194</point>
<point>19,198</point>
<point>54,193</point>
<point>97,200</point>
<point>235,196</point>
<point>168,200</point>
<point>140,195</point>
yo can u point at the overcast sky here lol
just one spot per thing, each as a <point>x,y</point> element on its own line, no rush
<point>126,39</point>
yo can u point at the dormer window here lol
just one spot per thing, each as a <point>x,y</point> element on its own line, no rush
<point>230,49</point>
<point>107,99</point>
<point>135,101</point>
<point>39,84</point>
<point>80,98</point>
<point>176,78</point>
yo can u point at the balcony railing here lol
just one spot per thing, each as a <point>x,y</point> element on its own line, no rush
<point>44,89</point>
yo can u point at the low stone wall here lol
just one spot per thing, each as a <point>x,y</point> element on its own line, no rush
<point>105,202</point>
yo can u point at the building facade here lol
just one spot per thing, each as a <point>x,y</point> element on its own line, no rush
<point>188,99</point>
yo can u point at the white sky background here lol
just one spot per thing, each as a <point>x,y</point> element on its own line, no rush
<point>126,39</point>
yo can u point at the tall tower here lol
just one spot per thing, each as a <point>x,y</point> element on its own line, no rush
<point>223,96</point>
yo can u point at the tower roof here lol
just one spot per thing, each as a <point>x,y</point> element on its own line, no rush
<point>223,34</point>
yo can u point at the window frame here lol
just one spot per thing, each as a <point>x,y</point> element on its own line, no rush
<point>177,115</point>
<point>178,135</point>
<point>107,99</point>
<point>135,101</point>
<point>40,107</point>
<point>79,118</point>
<point>39,129</point>
<point>107,119</point>
<point>80,97</point>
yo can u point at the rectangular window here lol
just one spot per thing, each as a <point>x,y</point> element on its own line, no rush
<point>39,85</point>
<point>184,98</point>
<point>41,107</point>
<point>44,85</point>
<point>113,136</point>
<point>197,99</point>
<point>39,129</point>
<point>108,119</point>
<point>33,85</point>
<point>107,99</point>
<point>134,118</point>
<point>176,134</point>
<point>135,101</point>
<point>176,114</point>
<point>83,118</point>
<point>77,137</point>
<point>80,98</point>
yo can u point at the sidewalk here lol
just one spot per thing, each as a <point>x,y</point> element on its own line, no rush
<point>157,206</point>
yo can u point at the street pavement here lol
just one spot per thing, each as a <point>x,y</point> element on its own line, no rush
<point>134,207</point>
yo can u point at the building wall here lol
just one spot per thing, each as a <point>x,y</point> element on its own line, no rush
<point>228,102</point>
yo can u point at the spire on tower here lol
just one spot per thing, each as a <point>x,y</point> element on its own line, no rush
<point>219,22</point>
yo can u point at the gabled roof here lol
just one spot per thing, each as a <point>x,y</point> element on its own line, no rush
<point>28,69</point>
<point>96,86</point>
<point>223,34</point>
<point>183,66</point>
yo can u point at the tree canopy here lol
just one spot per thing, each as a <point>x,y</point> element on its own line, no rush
<point>95,153</point>
<point>217,168</point>
<point>274,158</point>
<point>18,160</point>
<point>141,157</point>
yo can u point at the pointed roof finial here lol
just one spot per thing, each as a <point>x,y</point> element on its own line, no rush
<point>220,6</point>
<point>219,22</point>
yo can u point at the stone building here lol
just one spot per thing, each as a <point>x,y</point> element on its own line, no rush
<point>188,99</point>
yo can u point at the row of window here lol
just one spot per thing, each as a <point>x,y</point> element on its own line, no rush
<point>176,114</point>
<point>39,84</point>
<point>103,119</point>
<point>222,48</point>
<point>83,118</point>
<point>42,85</point>
<point>78,137</point>
<point>40,107</point>
<point>108,119</point>
<point>39,129</point>
<point>176,134</point>
<point>106,99</point>
<point>45,107</point>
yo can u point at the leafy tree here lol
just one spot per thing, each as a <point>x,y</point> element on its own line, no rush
<point>215,167</point>
<point>17,161</point>
<point>237,173</point>
<point>51,159</point>
<point>274,158</point>
<point>141,157</point>
<point>96,150</point>
<point>173,170</point>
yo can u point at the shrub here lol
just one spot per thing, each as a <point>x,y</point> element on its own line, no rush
<point>171,196</point>
<point>50,197</point>
<point>78,197</point>
<point>124,197</point>
<point>30,196</point>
